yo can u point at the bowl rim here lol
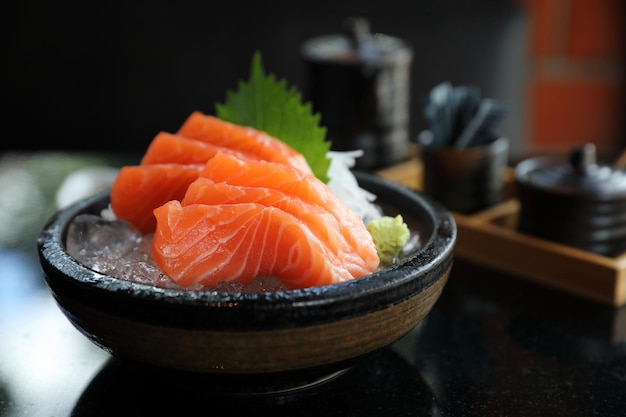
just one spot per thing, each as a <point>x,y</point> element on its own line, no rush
<point>387,286</point>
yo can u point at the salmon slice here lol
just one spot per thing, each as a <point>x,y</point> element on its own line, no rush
<point>295,183</point>
<point>206,244</point>
<point>317,219</point>
<point>167,148</point>
<point>138,190</point>
<point>244,139</point>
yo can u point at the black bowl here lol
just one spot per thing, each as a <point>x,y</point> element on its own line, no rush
<point>261,341</point>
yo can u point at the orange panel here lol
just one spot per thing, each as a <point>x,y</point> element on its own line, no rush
<point>597,28</point>
<point>549,27</point>
<point>573,112</point>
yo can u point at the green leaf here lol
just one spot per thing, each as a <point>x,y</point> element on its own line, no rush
<point>268,104</point>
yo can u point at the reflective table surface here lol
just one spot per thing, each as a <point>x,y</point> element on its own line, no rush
<point>493,345</point>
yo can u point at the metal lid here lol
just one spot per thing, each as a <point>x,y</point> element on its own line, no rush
<point>356,46</point>
<point>579,175</point>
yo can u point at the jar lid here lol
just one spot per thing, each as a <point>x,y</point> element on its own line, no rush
<point>579,175</point>
<point>358,45</point>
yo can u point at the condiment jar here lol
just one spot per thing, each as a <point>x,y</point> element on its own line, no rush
<point>574,201</point>
<point>469,179</point>
<point>359,82</point>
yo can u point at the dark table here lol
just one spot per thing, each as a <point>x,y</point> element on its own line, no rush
<point>493,345</point>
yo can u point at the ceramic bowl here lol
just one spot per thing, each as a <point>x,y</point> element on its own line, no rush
<point>256,341</point>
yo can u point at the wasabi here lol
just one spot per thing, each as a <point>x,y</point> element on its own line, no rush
<point>390,235</point>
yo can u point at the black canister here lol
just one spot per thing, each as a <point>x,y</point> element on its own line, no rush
<point>466,180</point>
<point>360,84</point>
<point>574,201</point>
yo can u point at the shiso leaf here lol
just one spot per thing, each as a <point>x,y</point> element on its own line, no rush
<point>268,104</point>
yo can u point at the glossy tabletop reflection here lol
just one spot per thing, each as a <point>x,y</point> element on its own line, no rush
<point>493,345</point>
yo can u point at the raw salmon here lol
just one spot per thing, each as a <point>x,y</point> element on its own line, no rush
<point>206,244</point>
<point>314,217</point>
<point>138,190</point>
<point>231,203</point>
<point>213,130</point>
<point>226,168</point>
<point>241,219</point>
<point>168,148</point>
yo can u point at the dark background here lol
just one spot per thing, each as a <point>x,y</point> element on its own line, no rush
<point>110,75</point>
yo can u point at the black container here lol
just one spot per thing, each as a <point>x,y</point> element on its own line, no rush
<point>360,84</point>
<point>465,180</point>
<point>574,201</point>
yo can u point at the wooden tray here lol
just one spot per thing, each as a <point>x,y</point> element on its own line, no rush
<point>490,238</point>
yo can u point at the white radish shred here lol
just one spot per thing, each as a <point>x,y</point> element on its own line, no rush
<point>345,186</point>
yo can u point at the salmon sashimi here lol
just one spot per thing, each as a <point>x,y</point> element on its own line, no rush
<point>232,203</point>
<point>167,148</point>
<point>226,168</point>
<point>207,244</point>
<point>138,190</point>
<point>316,218</point>
<point>213,130</point>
